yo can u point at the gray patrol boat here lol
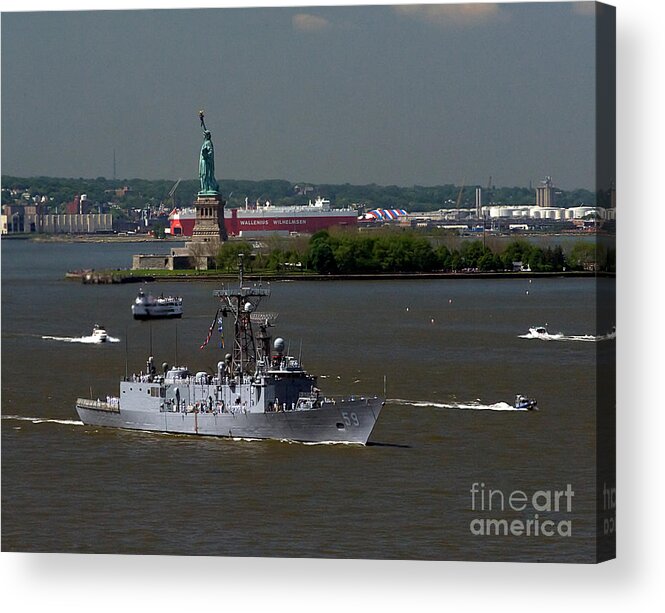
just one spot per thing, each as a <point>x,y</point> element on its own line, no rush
<point>257,392</point>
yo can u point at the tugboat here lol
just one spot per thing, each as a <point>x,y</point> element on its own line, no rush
<point>99,334</point>
<point>257,391</point>
<point>149,307</point>
<point>524,403</point>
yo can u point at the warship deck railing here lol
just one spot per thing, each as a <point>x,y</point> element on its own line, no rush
<point>98,405</point>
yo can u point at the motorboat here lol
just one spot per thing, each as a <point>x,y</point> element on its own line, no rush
<point>147,306</point>
<point>99,334</point>
<point>524,403</point>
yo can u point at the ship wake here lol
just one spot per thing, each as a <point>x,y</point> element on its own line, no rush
<point>474,405</point>
<point>286,440</point>
<point>41,420</point>
<point>292,442</point>
<point>86,340</point>
<point>559,336</point>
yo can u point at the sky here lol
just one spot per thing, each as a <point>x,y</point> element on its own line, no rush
<point>403,95</point>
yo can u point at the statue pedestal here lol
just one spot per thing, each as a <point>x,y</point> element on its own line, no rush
<point>209,231</point>
<point>209,225</point>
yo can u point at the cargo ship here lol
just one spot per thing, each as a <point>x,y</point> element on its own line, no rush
<point>260,219</point>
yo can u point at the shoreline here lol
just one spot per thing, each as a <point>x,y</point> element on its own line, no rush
<point>107,238</point>
<point>116,276</point>
<point>386,276</point>
<point>142,238</point>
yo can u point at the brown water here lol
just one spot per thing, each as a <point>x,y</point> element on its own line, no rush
<point>452,356</point>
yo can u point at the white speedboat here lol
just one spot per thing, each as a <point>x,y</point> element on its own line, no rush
<point>149,307</point>
<point>524,403</point>
<point>543,333</point>
<point>99,334</point>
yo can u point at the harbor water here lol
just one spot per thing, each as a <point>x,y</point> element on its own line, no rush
<point>450,353</point>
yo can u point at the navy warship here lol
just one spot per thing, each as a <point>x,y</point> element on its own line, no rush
<point>257,392</point>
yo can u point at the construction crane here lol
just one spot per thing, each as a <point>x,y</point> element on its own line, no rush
<point>171,194</point>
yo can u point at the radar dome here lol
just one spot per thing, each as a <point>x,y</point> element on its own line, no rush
<point>279,345</point>
<point>248,307</point>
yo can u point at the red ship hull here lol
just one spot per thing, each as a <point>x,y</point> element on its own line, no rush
<point>239,223</point>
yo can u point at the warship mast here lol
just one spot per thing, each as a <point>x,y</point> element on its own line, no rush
<point>242,304</point>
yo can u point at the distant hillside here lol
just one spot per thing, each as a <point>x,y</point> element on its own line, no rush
<point>142,193</point>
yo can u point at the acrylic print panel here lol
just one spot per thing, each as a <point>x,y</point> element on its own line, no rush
<point>336,282</point>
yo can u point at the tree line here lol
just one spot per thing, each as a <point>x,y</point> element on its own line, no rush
<point>282,193</point>
<point>404,251</point>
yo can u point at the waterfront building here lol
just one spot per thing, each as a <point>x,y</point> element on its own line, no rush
<point>88,223</point>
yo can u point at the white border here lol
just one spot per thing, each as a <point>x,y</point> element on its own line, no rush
<point>109,583</point>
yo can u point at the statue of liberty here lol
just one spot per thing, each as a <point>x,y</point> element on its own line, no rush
<point>207,163</point>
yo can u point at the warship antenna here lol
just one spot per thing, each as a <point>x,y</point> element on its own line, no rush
<point>242,303</point>
<point>126,354</point>
<point>385,395</point>
<point>150,335</point>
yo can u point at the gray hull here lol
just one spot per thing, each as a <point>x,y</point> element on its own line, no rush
<point>144,316</point>
<point>350,421</point>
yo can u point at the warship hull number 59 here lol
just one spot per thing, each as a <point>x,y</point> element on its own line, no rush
<point>257,390</point>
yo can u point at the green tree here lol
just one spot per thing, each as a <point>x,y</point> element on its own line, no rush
<point>444,257</point>
<point>489,262</point>
<point>159,230</point>
<point>472,251</point>
<point>536,260</point>
<point>516,251</point>
<point>456,261</point>
<point>343,257</point>
<point>582,255</point>
<point>424,257</point>
<point>226,257</point>
<point>321,257</point>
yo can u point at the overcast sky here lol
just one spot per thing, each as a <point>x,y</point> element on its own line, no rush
<point>390,95</point>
